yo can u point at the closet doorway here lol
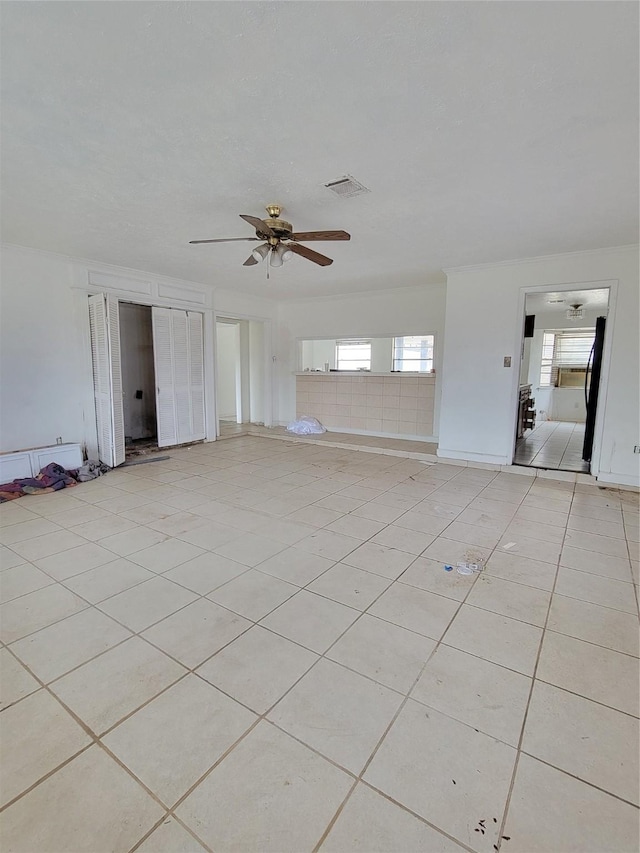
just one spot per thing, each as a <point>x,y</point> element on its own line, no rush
<point>138,378</point>
<point>148,375</point>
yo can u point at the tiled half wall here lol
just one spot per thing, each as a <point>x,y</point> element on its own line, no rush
<point>391,405</point>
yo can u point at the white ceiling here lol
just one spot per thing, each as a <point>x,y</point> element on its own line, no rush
<point>595,299</point>
<point>485,131</point>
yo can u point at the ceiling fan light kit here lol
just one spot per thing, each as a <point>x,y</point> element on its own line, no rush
<point>281,241</point>
<point>261,252</point>
<point>275,258</point>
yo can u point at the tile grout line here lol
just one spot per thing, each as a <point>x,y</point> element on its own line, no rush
<point>362,613</point>
<point>393,720</point>
<point>507,804</point>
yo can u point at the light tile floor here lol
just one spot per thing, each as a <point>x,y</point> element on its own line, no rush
<point>555,445</point>
<point>253,646</point>
<point>335,438</point>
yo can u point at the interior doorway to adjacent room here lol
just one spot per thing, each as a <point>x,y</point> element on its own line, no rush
<point>240,372</point>
<point>560,370</point>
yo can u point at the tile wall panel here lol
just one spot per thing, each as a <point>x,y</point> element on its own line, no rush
<point>396,405</point>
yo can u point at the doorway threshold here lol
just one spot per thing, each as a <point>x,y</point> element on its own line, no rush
<point>553,446</point>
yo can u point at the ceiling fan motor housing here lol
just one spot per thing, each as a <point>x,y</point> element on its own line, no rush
<point>280,228</point>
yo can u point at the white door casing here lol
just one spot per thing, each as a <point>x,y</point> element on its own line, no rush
<point>104,326</point>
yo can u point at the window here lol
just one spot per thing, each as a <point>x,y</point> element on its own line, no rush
<point>353,355</point>
<point>413,353</point>
<point>546,365</point>
<point>568,350</point>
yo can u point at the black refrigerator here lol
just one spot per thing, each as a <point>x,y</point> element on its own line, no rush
<point>592,386</point>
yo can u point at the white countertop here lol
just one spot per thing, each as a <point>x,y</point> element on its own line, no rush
<point>332,373</point>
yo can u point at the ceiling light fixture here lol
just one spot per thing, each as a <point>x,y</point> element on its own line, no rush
<point>261,252</point>
<point>275,258</point>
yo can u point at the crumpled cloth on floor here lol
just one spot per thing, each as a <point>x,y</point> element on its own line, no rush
<point>89,471</point>
<point>52,478</point>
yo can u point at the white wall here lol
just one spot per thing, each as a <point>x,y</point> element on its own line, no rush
<point>567,404</point>
<point>138,374</point>
<point>408,311</point>
<point>45,360</point>
<point>315,354</point>
<point>227,350</point>
<point>42,370</point>
<point>256,372</point>
<point>484,323</point>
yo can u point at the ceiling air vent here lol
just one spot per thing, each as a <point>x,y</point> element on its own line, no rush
<point>347,187</point>
<point>576,312</point>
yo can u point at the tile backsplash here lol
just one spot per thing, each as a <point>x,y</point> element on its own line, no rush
<point>395,405</point>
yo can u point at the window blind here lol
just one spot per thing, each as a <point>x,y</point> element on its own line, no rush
<point>353,355</point>
<point>564,349</point>
<point>572,349</point>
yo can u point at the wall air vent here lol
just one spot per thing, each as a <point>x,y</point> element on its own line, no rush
<point>347,187</point>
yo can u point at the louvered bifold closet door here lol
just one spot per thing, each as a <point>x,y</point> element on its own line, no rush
<point>104,327</point>
<point>181,379</point>
<point>163,363</point>
<point>179,360</point>
<point>196,374</point>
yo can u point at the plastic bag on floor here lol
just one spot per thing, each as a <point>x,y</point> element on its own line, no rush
<point>306,426</point>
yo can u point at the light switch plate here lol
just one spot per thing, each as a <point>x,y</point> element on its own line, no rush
<point>507,361</point>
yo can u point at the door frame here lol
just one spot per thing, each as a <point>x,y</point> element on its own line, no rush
<point>612,285</point>
<point>268,360</point>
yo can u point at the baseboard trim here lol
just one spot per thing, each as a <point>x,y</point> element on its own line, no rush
<point>487,458</point>
<point>620,480</point>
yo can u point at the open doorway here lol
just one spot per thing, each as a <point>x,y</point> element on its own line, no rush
<point>240,370</point>
<point>138,379</point>
<point>559,378</point>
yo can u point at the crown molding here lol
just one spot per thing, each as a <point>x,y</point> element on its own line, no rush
<point>355,294</point>
<point>109,269</point>
<point>607,250</point>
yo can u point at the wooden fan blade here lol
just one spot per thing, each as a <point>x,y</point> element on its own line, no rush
<point>250,261</point>
<point>310,255</point>
<point>224,240</point>
<point>321,235</point>
<point>260,226</point>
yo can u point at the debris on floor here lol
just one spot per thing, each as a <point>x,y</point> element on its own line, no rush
<point>467,568</point>
<point>91,469</point>
<point>51,478</point>
<point>130,462</point>
<point>306,426</point>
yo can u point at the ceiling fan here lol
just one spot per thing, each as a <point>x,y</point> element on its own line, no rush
<point>281,242</point>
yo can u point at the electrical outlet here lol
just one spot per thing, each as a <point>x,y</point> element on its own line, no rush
<point>59,440</point>
<point>507,361</point>
<point>636,448</point>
